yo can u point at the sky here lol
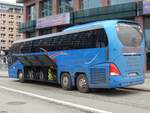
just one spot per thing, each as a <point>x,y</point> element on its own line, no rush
<point>10,1</point>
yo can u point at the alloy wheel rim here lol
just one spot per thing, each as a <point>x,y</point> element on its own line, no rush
<point>82,83</point>
<point>65,81</point>
<point>21,75</point>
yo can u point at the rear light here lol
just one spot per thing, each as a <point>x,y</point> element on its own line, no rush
<point>113,70</point>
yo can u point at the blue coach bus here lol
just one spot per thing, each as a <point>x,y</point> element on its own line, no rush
<point>102,54</point>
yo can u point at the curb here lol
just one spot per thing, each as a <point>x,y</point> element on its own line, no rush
<point>147,76</point>
<point>3,76</point>
<point>138,89</point>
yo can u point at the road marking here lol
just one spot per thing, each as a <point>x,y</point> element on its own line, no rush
<point>82,107</point>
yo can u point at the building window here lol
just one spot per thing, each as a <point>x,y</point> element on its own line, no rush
<point>11,35</point>
<point>115,2</point>
<point>18,23</point>
<point>46,8</point>
<point>11,29</point>
<point>10,42</point>
<point>18,10</point>
<point>3,41</point>
<point>31,12</point>
<point>30,34</point>
<point>87,4</point>
<point>2,35</point>
<point>11,23</point>
<point>45,31</point>
<point>3,48</point>
<point>11,16</point>
<point>3,28</point>
<point>18,18</point>
<point>3,22</point>
<point>18,36</point>
<point>3,16</point>
<point>65,6</point>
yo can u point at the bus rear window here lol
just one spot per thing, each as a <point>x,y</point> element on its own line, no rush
<point>129,34</point>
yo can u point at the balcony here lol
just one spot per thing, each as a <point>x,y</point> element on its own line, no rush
<point>27,27</point>
<point>20,1</point>
<point>121,11</point>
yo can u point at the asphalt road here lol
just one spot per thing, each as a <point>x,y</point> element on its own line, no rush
<point>15,103</point>
<point>36,97</point>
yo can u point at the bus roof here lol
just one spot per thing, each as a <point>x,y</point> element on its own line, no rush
<point>74,29</point>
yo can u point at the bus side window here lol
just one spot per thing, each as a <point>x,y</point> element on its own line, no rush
<point>15,48</point>
<point>26,47</point>
<point>43,43</point>
<point>11,59</point>
<point>36,45</point>
<point>101,39</point>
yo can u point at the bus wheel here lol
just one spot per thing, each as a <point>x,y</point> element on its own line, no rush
<point>41,77</point>
<point>82,83</point>
<point>66,82</point>
<point>21,77</point>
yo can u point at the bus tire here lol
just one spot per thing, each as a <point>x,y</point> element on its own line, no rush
<point>21,76</point>
<point>82,83</point>
<point>66,82</point>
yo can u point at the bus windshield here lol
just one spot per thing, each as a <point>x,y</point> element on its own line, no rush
<point>129,34</point>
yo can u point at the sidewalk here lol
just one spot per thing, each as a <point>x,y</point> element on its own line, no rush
<point>143,87</point>
<point>147,74</point>
<point>3,70</point>
<point>3,73</point>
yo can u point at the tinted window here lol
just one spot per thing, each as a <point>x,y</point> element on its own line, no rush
<point>11,59</point>
<point>26,47</point>
<point>129,34</point>
<point>15,48</point>
<point>81,40</point>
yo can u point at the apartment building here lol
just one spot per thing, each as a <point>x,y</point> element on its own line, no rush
<point>11,15</point>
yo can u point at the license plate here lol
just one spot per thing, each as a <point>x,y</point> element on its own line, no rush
<point>132,74</point>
